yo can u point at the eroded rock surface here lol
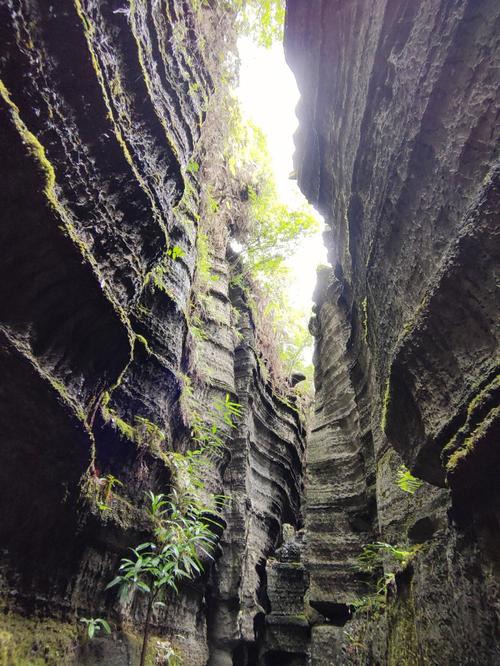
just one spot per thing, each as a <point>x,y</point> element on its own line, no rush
<point>112,342</point>
<point>398,147</point>
<point>109,342</point>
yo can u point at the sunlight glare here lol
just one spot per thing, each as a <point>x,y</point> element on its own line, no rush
<point>268,96</point>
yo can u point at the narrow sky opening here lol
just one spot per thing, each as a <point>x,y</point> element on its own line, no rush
<point>268,96</point>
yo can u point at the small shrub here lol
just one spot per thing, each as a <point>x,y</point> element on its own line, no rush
<point>182,531</point>
<point>193,167</point>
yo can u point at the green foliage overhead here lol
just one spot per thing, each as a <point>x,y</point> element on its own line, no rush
<point>270,234</point>
<point>297,343</point>
<point>263,20</point>
<point>276,228</point>
<point>239,193</point>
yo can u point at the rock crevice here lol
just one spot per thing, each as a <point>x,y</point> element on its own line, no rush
<point>122,326</point>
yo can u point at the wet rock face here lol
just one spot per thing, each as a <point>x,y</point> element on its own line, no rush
<point>103,106</point>
<point>397,146</point>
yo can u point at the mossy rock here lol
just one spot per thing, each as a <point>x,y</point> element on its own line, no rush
<point>36,642</point>
<point>44,642</point>
<point>402,648</point>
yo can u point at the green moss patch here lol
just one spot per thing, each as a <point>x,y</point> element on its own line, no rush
<point>481,415</point>
<point>36,642</point>
<point>385,405</point>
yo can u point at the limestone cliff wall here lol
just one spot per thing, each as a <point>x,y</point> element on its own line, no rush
<point>109,339</point>
<point>398,147</point>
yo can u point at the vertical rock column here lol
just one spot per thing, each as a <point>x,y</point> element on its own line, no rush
<point>264,481</point>
<point>339,495</point>
<point>287,627</point>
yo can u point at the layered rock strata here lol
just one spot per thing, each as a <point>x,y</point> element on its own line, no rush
<point>112,338</point>
<point>398,147</point>
<point>287,627</point>
<point>264,481</point>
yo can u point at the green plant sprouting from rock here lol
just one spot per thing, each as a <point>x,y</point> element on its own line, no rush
<point>184,523</point>
<point>105,491</point>
<point>406,481</point>
<point>381,561</point>
<point>182,535</point>
<point>374,555</point>
<point>94,626</point>
<point>367,608</point>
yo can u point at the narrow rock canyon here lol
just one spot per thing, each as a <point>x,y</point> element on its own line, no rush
<point>368,533</point>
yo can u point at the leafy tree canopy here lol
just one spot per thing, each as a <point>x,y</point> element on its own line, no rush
<point>269,233</point>
<point>262,20</point>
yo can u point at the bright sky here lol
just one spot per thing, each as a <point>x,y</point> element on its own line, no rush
<point>268,96</point>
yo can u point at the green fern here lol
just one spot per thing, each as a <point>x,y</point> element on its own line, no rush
<point>373,555</point>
